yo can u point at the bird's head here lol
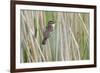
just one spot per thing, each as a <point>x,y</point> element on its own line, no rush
<point>51,24</point>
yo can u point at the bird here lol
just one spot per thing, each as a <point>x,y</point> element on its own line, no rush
<point>49,28</point>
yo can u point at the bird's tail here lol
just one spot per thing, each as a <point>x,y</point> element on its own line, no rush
<point>44,41</point>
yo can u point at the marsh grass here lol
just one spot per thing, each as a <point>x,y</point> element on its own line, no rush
<point>68,41</point>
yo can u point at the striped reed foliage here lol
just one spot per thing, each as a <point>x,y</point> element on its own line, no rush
<point>69,40</point>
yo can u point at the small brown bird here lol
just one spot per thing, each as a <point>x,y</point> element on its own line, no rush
<point>46,33</point>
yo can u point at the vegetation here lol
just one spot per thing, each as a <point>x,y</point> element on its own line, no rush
<point>68,41</point>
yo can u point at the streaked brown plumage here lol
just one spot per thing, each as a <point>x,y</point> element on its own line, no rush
<point>47,31</point>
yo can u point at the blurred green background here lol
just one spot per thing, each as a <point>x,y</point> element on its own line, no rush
<point>69,40</point>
